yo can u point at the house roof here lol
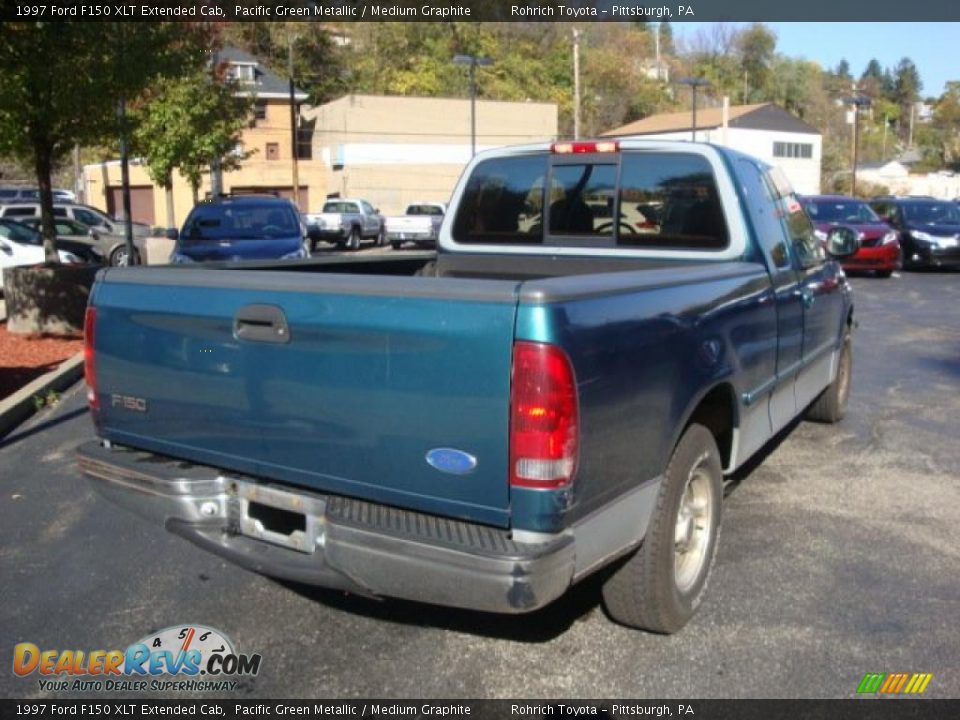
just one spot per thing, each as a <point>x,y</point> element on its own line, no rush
<point>761,116</point>
<point>266,83</point>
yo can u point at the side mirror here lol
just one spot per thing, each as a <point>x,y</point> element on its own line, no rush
<point>842,242</point>
<point>4,247</point>
<point>172,234</point>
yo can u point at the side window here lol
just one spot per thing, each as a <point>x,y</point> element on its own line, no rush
<point>582,198</point>
<point>762,204</point>
<point>670,200</point>
<point>59,211</point>
<point>805,243</point>
<point>503,202</point>
<point>19,212</point>
<point>368,208</point>
<point>86,217</point>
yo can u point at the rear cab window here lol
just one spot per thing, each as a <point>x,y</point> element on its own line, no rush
<point>241,221</point>
<point>340,206</point>
<point>654,200</point>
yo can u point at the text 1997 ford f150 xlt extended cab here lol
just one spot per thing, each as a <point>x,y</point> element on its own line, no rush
<point>607,329</point>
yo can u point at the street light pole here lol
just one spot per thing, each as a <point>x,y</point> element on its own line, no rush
<point>472,61</point>
<point>694,83</point>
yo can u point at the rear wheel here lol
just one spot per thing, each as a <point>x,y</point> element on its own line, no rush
<point>884,273</point>
<point>396,245</point>
<point>120,258</point>
<point>353,242</point>
<point>661,585</point>
<point>831,406</point>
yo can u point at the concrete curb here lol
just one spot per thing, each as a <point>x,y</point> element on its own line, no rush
<point>20,406</point>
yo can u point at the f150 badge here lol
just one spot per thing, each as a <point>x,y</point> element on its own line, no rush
<point>452,461</point>
<point>129,402</point>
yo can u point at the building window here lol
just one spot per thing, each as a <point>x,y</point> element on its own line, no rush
<point>260,110</point>
<point>793,150</point>
<point>241,73</point>
<point>304,144</point>
<point>273,151</point>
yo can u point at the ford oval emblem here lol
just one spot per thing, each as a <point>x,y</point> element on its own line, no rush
<point>451,460</point>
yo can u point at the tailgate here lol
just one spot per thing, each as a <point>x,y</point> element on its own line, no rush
<point>373,373</point>
<point>409,224</point>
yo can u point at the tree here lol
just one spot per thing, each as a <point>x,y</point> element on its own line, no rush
<point>319,66</point>
<point>757,45</point>
<point>186,122</point>
<point>61,83</point>
<point>871,81</point>
<point>941,139</point>
<point>905,91</point>
<point>666,39</point>
<point>843,70</point>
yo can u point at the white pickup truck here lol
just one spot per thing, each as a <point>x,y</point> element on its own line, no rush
<point>420,224</point>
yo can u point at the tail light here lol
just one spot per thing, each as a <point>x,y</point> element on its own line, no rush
<point>544,419</point>
<point>89,367</point>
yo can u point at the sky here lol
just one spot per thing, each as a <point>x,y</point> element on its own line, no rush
<point>931,46</point>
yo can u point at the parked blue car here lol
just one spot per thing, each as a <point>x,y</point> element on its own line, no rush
<point>248,227</point>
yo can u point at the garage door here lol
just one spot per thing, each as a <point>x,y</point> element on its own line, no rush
<point>141,203</point>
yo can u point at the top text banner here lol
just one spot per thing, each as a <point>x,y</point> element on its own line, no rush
<point>853,11</point>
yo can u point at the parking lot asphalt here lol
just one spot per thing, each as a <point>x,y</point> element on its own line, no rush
<point>839,555</point>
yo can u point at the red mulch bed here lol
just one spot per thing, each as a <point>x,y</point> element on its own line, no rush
<point>24,357</point>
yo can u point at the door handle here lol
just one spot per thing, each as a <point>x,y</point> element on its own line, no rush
<point>261,323</point>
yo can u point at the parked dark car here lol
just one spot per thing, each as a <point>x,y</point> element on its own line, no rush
<point>18,232</point>
<point>879,248</point>
<point>244,227</point>
<point>929,230</point>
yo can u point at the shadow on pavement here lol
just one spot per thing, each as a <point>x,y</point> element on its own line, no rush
<point>40,427</point>
<point>577,604</point>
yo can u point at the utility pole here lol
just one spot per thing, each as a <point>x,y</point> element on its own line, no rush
<point>216,171</point>
<point>857,101</point>
<point>576,84</point>
<point>913,108</point>
<point>294,128</point>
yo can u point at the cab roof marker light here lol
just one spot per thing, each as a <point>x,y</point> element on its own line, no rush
<point>576,148</point>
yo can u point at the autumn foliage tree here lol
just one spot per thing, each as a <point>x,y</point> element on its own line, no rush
<point>185,123</point>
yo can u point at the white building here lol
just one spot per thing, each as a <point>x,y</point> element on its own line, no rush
<point>766,131</point>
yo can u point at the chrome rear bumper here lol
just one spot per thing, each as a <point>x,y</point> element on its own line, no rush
<point>331,541</point>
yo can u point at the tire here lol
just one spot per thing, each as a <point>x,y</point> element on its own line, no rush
<point>353,242</point>
<point>884,273</point>
<point>661,585</point>
<point>831,406</point>
<point>396,245</point>
<point>428,270</point>
<point>118,257</point>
